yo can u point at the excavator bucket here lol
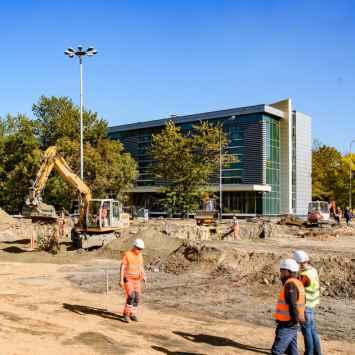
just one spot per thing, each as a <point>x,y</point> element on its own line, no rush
<point>40,211</point>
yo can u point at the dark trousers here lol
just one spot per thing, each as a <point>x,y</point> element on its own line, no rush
<point>285,340</point>
<point>311,337</point>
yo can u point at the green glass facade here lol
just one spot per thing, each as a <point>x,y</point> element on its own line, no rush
<point>271,200</point>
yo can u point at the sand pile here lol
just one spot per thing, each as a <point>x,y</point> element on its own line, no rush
<point>6,221</point>
<point>8,227</point>
<point>337,273</point>
<point>157,244</point>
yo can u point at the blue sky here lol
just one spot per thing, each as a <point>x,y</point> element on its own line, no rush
<point>161,57</point>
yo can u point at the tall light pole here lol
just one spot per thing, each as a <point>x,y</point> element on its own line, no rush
<point>80,53</point>
<point>350,174</point>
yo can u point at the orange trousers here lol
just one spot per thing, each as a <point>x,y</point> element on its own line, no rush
<point>133,291</point>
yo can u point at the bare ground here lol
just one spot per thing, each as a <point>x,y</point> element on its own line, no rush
<point>216,301</point>
<point>43,313</point>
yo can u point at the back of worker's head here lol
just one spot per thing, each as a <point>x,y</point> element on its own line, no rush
<point>288,268</point>
<point>300,256</point>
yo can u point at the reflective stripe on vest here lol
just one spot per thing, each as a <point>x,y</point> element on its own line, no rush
<point>135,266</point>
<point>312,291</point>
<point>282,311</point>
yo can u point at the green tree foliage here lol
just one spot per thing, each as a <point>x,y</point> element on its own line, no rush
<point>108,170</point>
<point>185,161</point>
<point>19,160</point>
<point>330,174</point>
<point>58,118</point>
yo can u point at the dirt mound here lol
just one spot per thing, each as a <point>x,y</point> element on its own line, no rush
<point>157,244</point>
<point>6,220</point>
<point>8,227</point>
<point>337,273</point>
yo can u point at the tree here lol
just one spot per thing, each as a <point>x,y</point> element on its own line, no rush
<point>108,170</point>
<point>349,164</point>
<point>58,118</point>
<point>185,161</point>
<point>19,160</point>
<point>330,175</point>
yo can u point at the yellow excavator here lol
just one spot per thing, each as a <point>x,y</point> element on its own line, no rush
<point>99,219</point>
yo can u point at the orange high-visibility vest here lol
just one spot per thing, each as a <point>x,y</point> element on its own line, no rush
<point>282,312</point>
<point>135,266</point>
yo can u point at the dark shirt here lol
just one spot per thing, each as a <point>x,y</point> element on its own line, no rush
<point>291,296</point>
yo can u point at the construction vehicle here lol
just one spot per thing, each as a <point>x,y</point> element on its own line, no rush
<point>318,213</point>
<point>208,215</point>
<point>99,220</point>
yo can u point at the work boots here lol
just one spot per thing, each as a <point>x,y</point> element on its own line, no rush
<point>134,318</point>
<point>127,319</point>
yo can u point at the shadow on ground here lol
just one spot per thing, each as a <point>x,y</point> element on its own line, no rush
<point>21,241</point>
<point>14,250</point>
<point>168,352</point>
<point>79,309</point>
<point>220,341</point>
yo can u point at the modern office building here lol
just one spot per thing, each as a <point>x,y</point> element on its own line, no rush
<point>272,143</point>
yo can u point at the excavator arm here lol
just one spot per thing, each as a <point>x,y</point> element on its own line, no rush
<point>51,159</point>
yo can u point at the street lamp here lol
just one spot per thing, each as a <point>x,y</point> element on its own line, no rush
<point>350,174</point>
<point>80,53</point>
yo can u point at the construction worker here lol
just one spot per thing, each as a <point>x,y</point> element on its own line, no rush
<point>234,230</point>
<point>289,309</point>
<point>309,278</point>
<point>347,215</point>
<point>132,273</point>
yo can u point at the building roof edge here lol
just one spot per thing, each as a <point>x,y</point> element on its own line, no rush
<point>237,111</point>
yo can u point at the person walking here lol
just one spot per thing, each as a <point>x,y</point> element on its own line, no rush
<point>131,275</point>
<point>236,229</point>
<point>347,215</point>
<point>310,279</point>
<point>289,310</point>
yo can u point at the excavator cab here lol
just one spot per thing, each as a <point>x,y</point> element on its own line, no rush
<point>104,220</point>
<point>104,213</point>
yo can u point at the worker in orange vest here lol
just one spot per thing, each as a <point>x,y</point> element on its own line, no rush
<point>289,309</point>
<point>132,273</point>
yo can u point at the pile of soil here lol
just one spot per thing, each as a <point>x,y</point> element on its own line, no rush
<point>6,221</point>
<point>8,227</point>
<point>157,244</point>
<point>337,273</point>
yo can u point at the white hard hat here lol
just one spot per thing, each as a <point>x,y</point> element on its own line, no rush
<point>300,256</point>
<point>139,243</point>
<point>289,264</point>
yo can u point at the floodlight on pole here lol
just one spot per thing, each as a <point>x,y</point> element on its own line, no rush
<point>80,53</point>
